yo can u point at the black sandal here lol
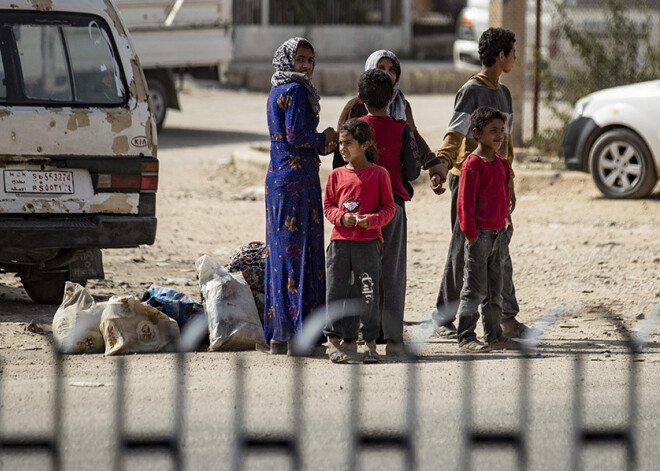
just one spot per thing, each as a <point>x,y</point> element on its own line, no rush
<point>371,356</point>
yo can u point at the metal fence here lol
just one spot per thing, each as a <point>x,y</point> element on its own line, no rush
<point>358,440</point>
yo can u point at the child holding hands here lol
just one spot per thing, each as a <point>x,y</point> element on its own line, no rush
<point>358,201</point>
<point>399,155</point>
<point>483,214</point>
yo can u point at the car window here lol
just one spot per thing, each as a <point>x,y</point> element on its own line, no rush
<point>43,62</point>
<point>66,60</point>
<point>95,72</point>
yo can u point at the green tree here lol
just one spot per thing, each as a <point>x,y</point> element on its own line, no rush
<point>620,54</point>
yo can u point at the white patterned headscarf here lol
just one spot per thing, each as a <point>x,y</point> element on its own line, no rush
<point>283,61</point>
<point>397,108</point>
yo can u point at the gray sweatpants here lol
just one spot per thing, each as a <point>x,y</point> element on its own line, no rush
<point>452,276</point>
<point>484,263</point>
<point>395,239</point>
<point>362,259</point>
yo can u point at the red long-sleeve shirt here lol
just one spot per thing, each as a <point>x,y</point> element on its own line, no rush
<point>365,191</point>
<point>483,194</point>
<point>397,152</point>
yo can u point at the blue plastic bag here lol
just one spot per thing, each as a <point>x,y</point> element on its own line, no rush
<point>174,304</point>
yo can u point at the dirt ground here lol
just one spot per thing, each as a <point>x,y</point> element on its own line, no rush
<point>598,258</point>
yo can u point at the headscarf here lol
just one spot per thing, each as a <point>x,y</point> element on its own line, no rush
<point>397,108</point>
<point>283,61</point>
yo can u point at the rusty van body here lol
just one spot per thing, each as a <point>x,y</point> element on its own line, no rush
<point>78,163</point>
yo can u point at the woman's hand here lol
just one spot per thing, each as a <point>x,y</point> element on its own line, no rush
<point>331,138</point>
<point>329,148</point>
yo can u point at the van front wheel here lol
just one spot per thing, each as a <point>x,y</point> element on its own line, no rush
<point>47,289</point>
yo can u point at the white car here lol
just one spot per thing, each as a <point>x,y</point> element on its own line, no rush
<point>473,21</point>
<point>613,134</point>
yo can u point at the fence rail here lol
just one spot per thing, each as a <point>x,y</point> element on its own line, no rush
<point>289,442</point>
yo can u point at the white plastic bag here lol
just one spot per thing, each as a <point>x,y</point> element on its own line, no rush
<point>76,322</point>
<point>230,310</point>
<point>129,326</point>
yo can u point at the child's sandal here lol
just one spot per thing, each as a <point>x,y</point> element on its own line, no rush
<point>338,356</point>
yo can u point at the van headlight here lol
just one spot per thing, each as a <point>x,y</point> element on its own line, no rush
<point>580,106</point>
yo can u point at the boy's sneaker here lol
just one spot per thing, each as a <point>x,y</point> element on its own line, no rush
<point>514,329</point>
<point>474,346</point>
<point>395,349</point>
<point>503,343</point>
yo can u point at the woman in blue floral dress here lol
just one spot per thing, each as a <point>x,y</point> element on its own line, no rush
<point>295,258</point>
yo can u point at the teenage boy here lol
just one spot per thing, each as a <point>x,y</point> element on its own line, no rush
<point>497,53</point>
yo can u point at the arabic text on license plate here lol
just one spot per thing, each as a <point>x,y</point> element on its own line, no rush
<point>36,181</point>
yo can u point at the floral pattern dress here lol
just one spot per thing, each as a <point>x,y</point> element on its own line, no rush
<point>295,258</point>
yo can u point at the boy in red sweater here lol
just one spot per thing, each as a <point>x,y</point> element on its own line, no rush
<point>483,213</point>
<point>398,154</point>
<point>358,201</point>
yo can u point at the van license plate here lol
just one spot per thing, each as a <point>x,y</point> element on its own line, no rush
<point>37,181</point>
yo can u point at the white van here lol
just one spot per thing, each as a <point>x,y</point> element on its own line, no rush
<point>78,155</point>
<point>473,21</point>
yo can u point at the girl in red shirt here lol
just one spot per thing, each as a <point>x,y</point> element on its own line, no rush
<point>358,202</point>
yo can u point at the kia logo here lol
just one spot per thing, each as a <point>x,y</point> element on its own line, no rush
<point>139,141</point>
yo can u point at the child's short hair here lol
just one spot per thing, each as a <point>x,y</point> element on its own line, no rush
<point>375,88</point>
<point>484,115</point>
<point>361,132</point>
<point>492,42</point>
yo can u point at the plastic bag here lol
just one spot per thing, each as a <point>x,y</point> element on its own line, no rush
<point>76,322</point>
<point>175,304</point>
<point>230,310</point>
<point>129,326</point>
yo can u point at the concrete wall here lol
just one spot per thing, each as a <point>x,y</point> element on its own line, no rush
<point>340,78</point>
<point>331,42</point>
<point>340,54</point>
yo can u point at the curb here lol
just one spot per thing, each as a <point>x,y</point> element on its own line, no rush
<point>250,159</point>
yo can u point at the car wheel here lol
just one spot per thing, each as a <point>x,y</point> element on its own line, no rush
<point>47,289</point>
<point>158,101</point>
<point>621,165</point>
